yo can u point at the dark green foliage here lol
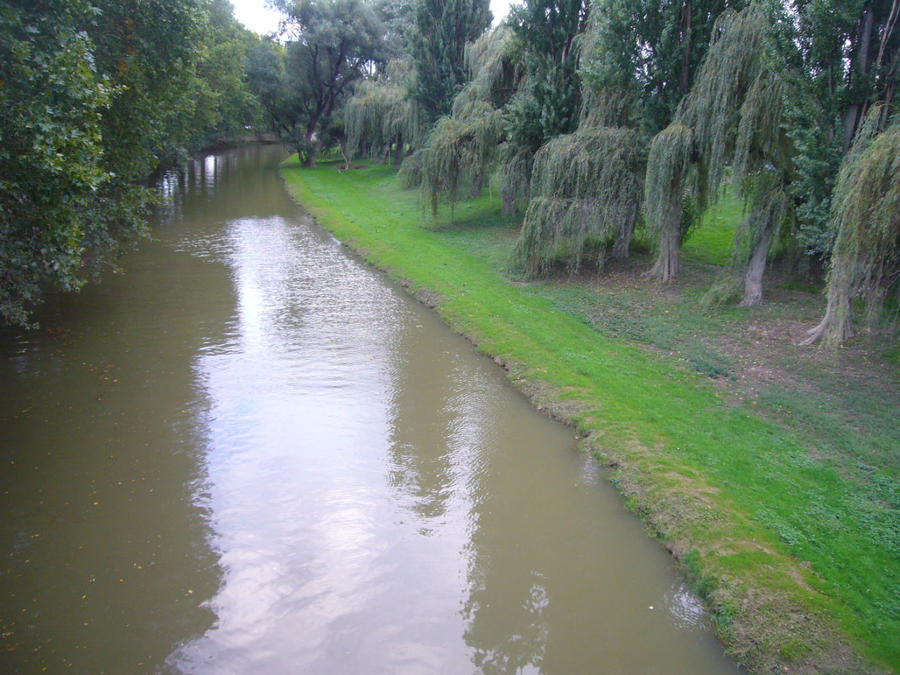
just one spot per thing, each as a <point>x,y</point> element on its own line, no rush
<point>548,102</point>
<point>50,154</point>
<point>649,52</point>
<point>437,46</point>
<point>866,212</point>
<point>224,106</point>
<point>838,58</point>
<point>95,95</point>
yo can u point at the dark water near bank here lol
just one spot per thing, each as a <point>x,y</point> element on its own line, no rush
<point>250,453</point>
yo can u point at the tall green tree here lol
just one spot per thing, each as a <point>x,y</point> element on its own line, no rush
<point>96,94</point>
<point>866,217</point>
<point>649,52</point>
<point>731,118</point>
<point>303,85</point>
<point>51,150</point>
<point>437,47</point>
<point>839,58</point>
<point>223,105</point>
<point>463,147</point>
<point>549,99</point>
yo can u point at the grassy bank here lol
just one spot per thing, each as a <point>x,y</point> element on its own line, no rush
<point>770,472</point>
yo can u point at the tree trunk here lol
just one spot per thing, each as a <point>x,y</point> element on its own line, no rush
<point>398,152</point>
<point>835,327</point>
<point>622,245</point>
<point>667,262</point>
<point>509,203</point>
<point>477,185</point>
<point>753,292</point>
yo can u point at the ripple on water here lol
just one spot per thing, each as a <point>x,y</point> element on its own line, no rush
<point>686,608</point>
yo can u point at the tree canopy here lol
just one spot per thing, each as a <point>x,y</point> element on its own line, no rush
<point>96,95</point>
<point>303,84</point>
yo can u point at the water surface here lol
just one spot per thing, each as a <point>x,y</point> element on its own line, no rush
<point>250,453</point>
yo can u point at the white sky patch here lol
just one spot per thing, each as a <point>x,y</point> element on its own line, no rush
<point>258,17</point>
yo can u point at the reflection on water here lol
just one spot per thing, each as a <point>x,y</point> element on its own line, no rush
<point>301,470</point>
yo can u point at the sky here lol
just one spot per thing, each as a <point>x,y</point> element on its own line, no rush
<point>257,17</point>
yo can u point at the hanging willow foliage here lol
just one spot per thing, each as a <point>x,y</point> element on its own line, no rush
<point>410,173</point>
<point>459,150</point>
<point>381,114</point>
<point>515,179</point>
<point>365,112</point>
<point>586,189</point>
<point>492,60</point>
<point>462,148</point>
<point>866,211</point>
<point>734,62</point>
<point>733,115</point>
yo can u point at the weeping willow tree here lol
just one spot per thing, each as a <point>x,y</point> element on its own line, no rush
<point>583,189</point>
<point>382,116</point>
<point>865,260</point>
<point>763,163</point>
<point>732,117</point>
<point>586,194</point>
<point>462,148</point>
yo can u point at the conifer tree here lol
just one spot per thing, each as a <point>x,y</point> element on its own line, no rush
<point>437,47</point>
<point>649,51</point>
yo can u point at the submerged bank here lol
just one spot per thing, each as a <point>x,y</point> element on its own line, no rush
<point>794,550</point>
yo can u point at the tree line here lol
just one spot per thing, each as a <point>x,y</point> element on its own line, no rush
<point>96,95</point>
<point>592,118</point>
<point>596,118</point>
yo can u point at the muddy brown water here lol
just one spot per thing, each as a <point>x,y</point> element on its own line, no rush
<point>250,453</point>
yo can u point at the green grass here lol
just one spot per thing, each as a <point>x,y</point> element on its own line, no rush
<point>712,242</point>
<point>789,529</point>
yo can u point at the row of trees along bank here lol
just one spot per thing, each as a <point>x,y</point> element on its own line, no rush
<point>96,96</point>
<point>594,120</point>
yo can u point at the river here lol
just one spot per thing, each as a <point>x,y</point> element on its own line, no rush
<point>251,453</point>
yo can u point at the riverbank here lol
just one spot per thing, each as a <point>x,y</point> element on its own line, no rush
<point>770,475</point>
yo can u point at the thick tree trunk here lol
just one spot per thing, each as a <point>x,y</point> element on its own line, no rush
<point>835,327</point>
<point>753,292</point>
